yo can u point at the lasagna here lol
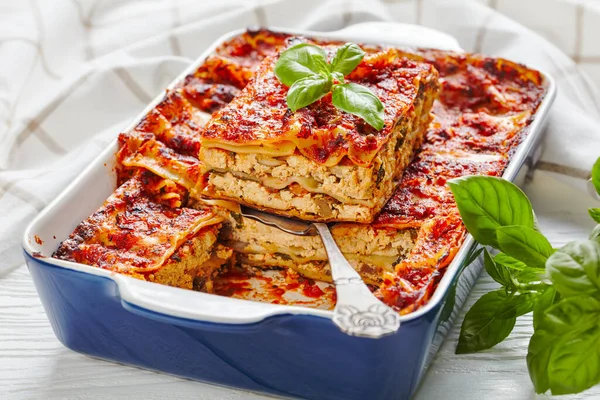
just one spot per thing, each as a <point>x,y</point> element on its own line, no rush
<point>318,163</point>
<point>186,167</point>
<point>144,231</point>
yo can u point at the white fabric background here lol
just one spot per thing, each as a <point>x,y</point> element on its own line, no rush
<point>75,71</point>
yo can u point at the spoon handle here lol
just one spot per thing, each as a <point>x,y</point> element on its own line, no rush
<point>357,312</point>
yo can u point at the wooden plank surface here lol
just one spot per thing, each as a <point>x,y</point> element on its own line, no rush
<point>33,364</point>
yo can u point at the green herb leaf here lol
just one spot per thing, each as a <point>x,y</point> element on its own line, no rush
<point>572,314</point>
<point>518,304</point>
<point>595,214</point>
<point>557,328</point>
<point>449,304</point>
<point>546,299</point>
<point>520,272</point>
<point>574,366</point>
<point>360,101</point>
<point>306,91</point>
<point>305,70</point>
<point>473,256</point>
<point>300,61</point>
<point>347,57</point>
<point>531,275</point>
<point>561,287</point>
<point>339,76</point>
<point>595,235</point>
<point>470,259</point>
<point>525,244</point>
<point>538,357</point>
<point>498,272</point>
<point>510,262</point>
<point>575,269</point>
<point>596,175</point>
<point>486,324</point>
<point>487,203</point>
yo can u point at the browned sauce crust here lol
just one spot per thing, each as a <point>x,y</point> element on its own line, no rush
<point>259,114</point>
<point>482,115</point>
<point>142,228</point>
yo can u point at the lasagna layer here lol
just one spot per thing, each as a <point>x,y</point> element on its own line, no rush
<point>258,120</point>
<point>166,141</point>
<point>295,184</point>
<point>142,230</point>
<point>370,251</point>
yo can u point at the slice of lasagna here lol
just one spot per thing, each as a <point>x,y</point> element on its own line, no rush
<point>418,225</point>
<point>371,251</point>
<point>318,163</point>
<point>142,231</point>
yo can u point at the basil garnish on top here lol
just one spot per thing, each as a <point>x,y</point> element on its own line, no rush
<point>305,69</point>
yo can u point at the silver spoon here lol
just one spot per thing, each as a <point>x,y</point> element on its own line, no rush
<point>357,311</point>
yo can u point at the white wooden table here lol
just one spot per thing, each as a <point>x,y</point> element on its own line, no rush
<point>33,364</point>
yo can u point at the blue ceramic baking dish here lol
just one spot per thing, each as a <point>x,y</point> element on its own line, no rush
<point>278,349</point>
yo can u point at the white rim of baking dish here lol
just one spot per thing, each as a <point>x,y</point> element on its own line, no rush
<point>182,303</point>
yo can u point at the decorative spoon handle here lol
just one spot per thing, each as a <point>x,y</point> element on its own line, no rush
<point>357,312</point>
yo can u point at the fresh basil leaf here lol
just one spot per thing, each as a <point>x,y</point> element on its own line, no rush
<point>595,235</point>
<point>483,327</point>
<point>595,214</point>
<point>473,256</point>
<point>573,366</point>
<point>497,272</point>
<point>596,175</point>
<point>360,101</point>
<point>538,358</point>
<point>449,304</point>
<point>575,268</point>
<point>547,299</point>
<point>559,324</point>
<point>306,91</point>
<point>300,61</point>
<point>524,244</point>
<point>347,57</point>
<point>339,76</point>
<point>510,262</point>
<point>532,275</point>
<point>487,203</point>
<point>519,270</point>
<point>572,314</point>
<point>518,304</point>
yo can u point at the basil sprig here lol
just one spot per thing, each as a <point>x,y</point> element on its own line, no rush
<point>304,68</point>
<point>595,212</point>
<point>561,287</point>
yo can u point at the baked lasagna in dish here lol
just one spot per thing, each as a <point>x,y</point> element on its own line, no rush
<point>223,136</point>
<point>144,230</point>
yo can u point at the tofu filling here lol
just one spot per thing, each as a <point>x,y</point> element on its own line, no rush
<point>371,251</point>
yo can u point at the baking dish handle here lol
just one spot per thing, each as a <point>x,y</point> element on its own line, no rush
<point>160,301</point>
<point>396,34</point>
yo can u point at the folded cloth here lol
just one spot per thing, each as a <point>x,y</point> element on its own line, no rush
<point>76,72</point>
